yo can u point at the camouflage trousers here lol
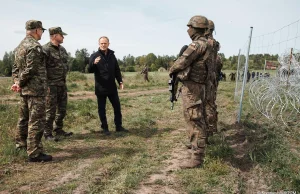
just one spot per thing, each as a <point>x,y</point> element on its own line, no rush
<point>146,77</point>
<point>193,99</point>
<point>31,124</point>
<point>211,108</point>
<point>56,107</point>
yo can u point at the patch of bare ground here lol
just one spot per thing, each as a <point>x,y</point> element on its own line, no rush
<point>68,176</point>
<point>164,181</point>
<point>251,177</point>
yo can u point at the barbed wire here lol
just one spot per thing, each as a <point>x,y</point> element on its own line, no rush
<point>278,29</point>
<point>278,98</point>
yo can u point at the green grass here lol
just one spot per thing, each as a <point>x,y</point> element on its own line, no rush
<point>253,150</point>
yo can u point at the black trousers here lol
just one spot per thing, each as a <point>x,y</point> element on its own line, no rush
<point>115,102</point>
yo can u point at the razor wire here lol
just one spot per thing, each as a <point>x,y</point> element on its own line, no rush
<point>276,95</point>
<point>278,98</point>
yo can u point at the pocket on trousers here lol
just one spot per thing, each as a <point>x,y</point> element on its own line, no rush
<point>195,111</point>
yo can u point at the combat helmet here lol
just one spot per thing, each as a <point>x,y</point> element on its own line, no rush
<point>198,21</point>
<point>211,25</point>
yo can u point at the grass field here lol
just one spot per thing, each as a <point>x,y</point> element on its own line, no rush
<point>253,156</point>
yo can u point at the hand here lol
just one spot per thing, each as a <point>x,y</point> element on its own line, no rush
<point>15,88</point>
<point>121,86</point>
<point>97,60</point>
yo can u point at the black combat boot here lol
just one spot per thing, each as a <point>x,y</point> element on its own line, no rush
<point>63,133</point>
<point>40,158</point>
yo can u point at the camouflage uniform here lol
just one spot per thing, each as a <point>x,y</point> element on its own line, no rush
<point>145,72</point>
<point>29,71</point>
<point>57,68</point>
<point>192,67</point>
<point>212,83</point>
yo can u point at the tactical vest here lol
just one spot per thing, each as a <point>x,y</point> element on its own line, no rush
<point>198,72</point>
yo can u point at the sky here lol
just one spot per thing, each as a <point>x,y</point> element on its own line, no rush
<point>140,27</point>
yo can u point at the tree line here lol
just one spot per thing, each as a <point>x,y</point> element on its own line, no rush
<point>130,63</point>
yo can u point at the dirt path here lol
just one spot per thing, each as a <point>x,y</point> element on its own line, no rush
<point>164,181</point>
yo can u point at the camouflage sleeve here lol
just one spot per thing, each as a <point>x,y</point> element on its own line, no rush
<point>32,63</point>
<point>65,58</point>
<point>46,53</point>
<point>15,70</point>
<point>219,63</point>
<point>193,51</point>
<point>15,73</point>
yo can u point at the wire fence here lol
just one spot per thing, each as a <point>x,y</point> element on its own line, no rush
<point>274,93</point>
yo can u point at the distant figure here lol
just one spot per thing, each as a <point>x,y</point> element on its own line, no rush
<point>253,74</point>
<point>257,75</point>
<point>224,76</point>
<point>232,76</point>
<point>266,74</point>
<point>248,76</point>
<point>145,72</point>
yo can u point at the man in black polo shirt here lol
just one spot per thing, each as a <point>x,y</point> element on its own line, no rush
<point>104,65</point>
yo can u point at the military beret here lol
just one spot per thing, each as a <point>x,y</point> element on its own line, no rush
<point>56,30</point>
<point>33,24</point>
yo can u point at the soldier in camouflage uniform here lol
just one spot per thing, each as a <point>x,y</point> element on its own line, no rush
<point>30,79</point>
<point>192,69</point>
<point>145,72</point>
<point>57,68</point>
<point>212,82</point>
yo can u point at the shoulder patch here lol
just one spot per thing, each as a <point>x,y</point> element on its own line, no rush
<point>191,48</point>
<point>38,49</point>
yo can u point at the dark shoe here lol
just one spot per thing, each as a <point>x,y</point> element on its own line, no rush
<point>63,133</point>
<point>50,138</point>
<point>105,132</point>
<point>41,158</point>
<point>121,129</point>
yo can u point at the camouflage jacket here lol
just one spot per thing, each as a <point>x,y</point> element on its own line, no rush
<point>29,69</point>
<point>195,60</point>
<point>217,61</point>
<point>56,63</point>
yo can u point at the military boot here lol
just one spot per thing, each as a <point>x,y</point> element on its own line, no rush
<point>188,144</point>
<point>63,133</point>
<point>40,158</point>
<point>194,162</point>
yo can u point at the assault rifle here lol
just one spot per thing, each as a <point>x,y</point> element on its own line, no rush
<point>173,82</point>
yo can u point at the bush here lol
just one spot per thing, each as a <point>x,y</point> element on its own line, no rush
<point>130,69</point>
<point>75,76</point>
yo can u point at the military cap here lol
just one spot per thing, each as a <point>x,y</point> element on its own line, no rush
<point>33,24</point>
<point>56,30</point>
